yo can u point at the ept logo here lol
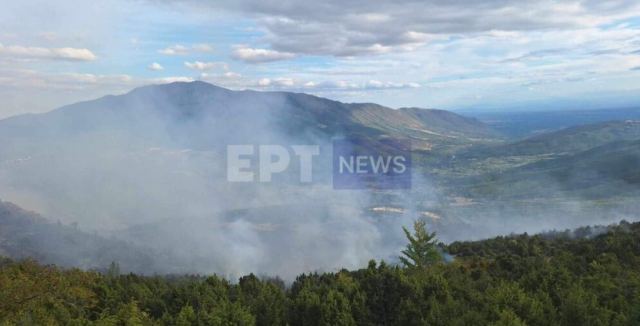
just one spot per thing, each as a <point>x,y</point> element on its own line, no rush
<point>366,163</point>
<point>272,159</point>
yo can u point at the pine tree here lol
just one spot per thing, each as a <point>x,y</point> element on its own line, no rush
<point>421,250</point>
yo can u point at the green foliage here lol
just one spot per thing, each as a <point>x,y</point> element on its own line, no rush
<point>421,250</point>
<point>570,278</point>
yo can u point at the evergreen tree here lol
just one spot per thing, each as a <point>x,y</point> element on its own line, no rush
<point>422,250</point>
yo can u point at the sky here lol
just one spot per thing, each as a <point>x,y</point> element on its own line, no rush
<point>454,54</point>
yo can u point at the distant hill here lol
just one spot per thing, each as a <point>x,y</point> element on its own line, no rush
<point>25,234</point>
<point>605,171</point>
<point>566,141</point>
<point>525,124</point>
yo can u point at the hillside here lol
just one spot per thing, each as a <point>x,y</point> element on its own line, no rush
<point>566,141</point>
<point>24,234</point>
<point>604,171</point>
<point>488,160</point>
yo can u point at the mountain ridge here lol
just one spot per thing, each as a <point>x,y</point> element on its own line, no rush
<point>202,106</point>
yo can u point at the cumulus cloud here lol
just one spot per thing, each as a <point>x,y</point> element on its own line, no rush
<point>174,50</point>
<point>204,66</point>
<point>95,79</point>
<point>180,49</point>
<point>284,82</point>
<point>155,67</point>
<point>31,52</point>
<point>376,84</point>
<point>228,79</point>
<point>27,90</point>
<point>264,82</point>
<point>330,85</point>
<point>253,55</point>
<point>344,85</point>
<point>203,48</point>
<point>171,79</point>
<point>350,28</point>
<point>71,81</point>
<point>276,83</point>
<point>231,74</point>
<point>17,78</point>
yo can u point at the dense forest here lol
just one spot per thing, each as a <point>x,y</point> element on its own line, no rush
<point>589,276</point>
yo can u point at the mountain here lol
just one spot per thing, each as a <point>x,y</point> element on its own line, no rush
<point>187,111</point>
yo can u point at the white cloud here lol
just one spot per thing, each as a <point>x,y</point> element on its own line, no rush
<point>95,79</point>
<point>231,74</point>
<point>284,82</point>
<point>376,84</point>
<point>345,85</point>
<point>253,55</point>
<point>204,66</point>
<point>155,67</point>
<point>229,79</point>
<point>264,82</point>
<point>287,83</point>
<point>203,48</point>
<point>30,52</point>
<point>179,49</point>
<point>276,83</point>
<point>171,79</point>
<point>351,28</point>
<point>26,78</point>
<point>26,90</point>
<point>175,50</point>
<point>226,76</point>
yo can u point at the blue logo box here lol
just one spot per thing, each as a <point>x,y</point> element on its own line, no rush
<point>360,163</point>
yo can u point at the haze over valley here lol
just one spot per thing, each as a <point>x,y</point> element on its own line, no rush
<point>146,171</point>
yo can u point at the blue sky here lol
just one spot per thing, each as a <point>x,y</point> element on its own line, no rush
<point>490,55</point>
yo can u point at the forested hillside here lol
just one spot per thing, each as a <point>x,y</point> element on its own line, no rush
<point>589,276</point>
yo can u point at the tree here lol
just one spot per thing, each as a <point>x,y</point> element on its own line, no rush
<point>421,250</point>
<point>186,317</point>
